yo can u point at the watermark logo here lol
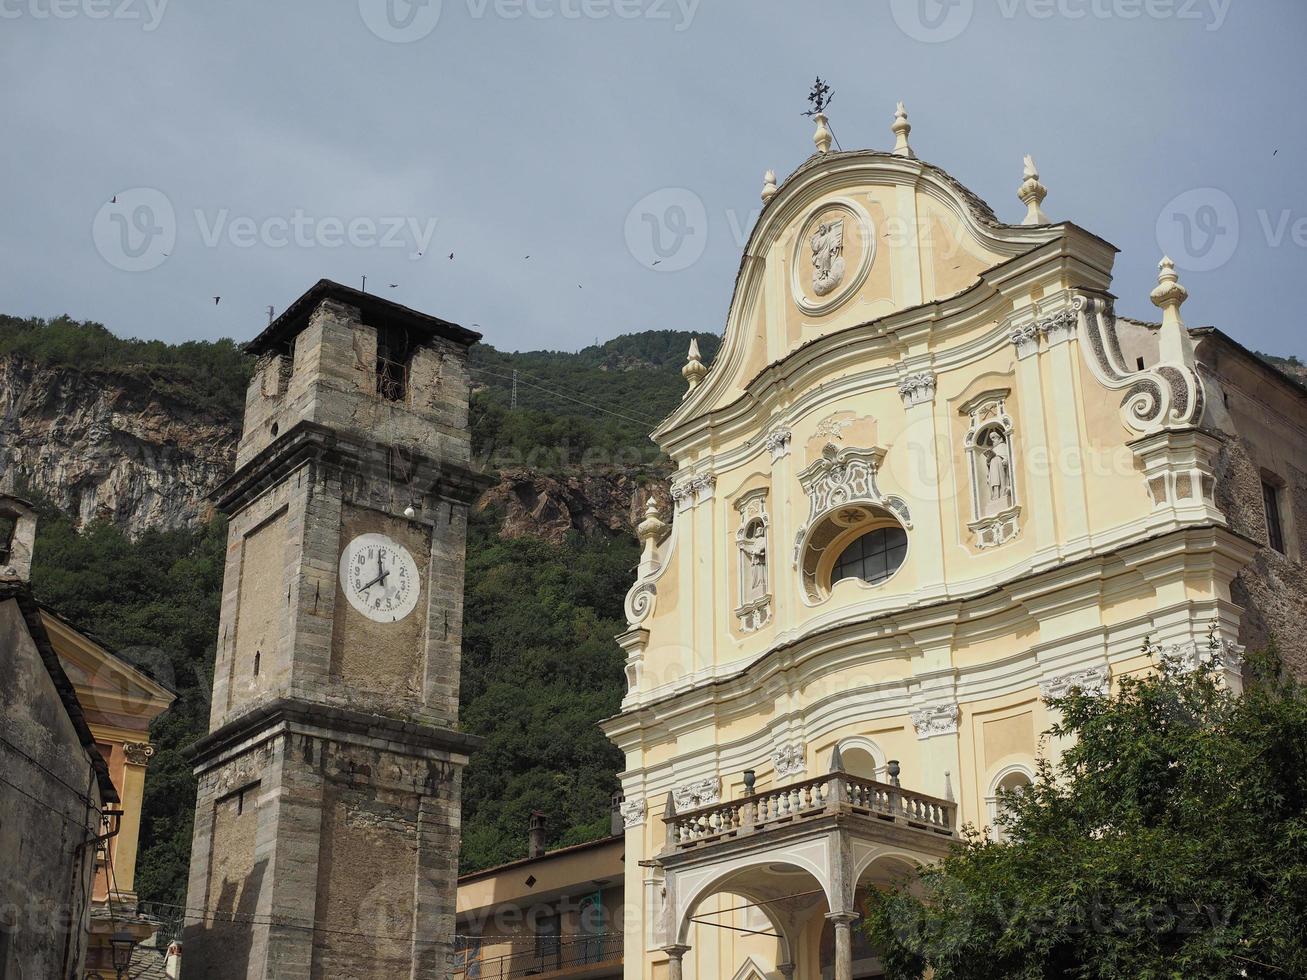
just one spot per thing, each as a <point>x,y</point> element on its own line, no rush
<point>1199,229</point>
<point>148,12</point>
<point>136,230</point>
<point>668,229</point>
<point>303,230</point>
<point>400,21</point>
<point>932,21</point>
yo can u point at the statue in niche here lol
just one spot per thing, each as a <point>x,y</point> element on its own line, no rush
<point>827,257</point>
<point>753,570</point>
<point>998,471</point>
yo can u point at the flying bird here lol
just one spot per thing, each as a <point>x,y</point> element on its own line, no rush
<point>451,256</point>
<point>658,262</point>
<point>114,199</point>
<point>216,300</point>
<point>394,285</point>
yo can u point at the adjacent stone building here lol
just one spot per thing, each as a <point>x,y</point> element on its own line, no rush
<point>56,794</point>
<point>327,819</point>
<point>931,478</point>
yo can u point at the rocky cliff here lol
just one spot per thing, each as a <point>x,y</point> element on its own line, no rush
<point>100,445</point>
<point>103,446</point>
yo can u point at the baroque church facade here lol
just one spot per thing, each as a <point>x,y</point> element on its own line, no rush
<point>931,478</point>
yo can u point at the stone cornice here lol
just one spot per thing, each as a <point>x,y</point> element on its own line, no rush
<point>310,442</point>
<point>332,722</point>
<point>676,708</point>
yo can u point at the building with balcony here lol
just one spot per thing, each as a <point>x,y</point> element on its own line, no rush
<point>931,479</point>
<point>554,914</point>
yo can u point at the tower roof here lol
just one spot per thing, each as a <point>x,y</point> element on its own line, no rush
<point>375,310</point>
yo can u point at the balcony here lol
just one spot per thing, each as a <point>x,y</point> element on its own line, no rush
<point>796,851</point>
<point>834,793</point>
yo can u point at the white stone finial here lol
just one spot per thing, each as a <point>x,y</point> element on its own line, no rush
<point>694,369</point>
<point>768,186</point>
<point>1173,343</point>
<point>1031,193</point>
<point>822,137</point>
<point>901,129</point>
<point>652,527</point>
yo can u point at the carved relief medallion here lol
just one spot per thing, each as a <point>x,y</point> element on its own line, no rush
<point>832,256</point>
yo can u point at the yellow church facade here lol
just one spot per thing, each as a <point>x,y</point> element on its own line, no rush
<point>930,479</point>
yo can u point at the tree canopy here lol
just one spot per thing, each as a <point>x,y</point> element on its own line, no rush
<point>1169,841</point>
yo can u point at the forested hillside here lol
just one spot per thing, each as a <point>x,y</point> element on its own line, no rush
<point>550,555</point>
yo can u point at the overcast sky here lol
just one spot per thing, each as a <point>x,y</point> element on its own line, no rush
<point>254,147</point>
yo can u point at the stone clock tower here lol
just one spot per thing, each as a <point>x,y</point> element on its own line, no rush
<point>327,820</point>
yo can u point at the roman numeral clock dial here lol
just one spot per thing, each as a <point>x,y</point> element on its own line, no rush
<point>380,578</point>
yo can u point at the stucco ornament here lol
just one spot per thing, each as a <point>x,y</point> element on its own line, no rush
<point>1093,681</point>
<point>990,447</point>
<point>788,760</point>
<point>935,719</point>
<point>917,388</point>
<point>777,442</point>
<point>633,812</point>
<point>842,493</point>
<point>701,792</point>
<point>138,753</point>
<point>827,257</point>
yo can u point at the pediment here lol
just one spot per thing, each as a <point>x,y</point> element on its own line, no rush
<point>851,239</point>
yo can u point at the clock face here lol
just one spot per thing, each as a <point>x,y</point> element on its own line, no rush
<point>380,578</point>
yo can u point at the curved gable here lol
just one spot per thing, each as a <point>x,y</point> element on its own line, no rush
<point>850,238</point>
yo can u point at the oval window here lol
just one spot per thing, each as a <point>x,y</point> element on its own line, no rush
<point>874,557</point>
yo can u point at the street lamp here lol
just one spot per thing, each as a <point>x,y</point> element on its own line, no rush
<point>123,943</point>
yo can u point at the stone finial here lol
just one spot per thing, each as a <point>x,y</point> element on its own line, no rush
<point>1031,193</point>
<point>836,760</point>
<point>652,527</point>
<point>1173,343</point>
<point>694,369</point>
<point>901,129</point>
<point>768,186</point>
<point>822,137</point>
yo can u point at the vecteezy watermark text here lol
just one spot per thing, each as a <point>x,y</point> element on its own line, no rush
<point>148,12</point>
<point>406,21</point>
<point>937,21</point>
<point>137,230</point>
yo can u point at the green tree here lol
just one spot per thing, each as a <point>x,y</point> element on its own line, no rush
<point>1170,841</point>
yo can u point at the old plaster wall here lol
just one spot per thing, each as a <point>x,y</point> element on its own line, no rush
<point>46,815</point>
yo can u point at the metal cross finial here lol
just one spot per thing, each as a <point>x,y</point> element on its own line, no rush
<point>820,97</point>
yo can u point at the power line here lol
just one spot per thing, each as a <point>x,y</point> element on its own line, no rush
<point>578,401</point>
<point>542,382</point>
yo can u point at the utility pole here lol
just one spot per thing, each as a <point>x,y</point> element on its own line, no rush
<point>270,312</point>
<point>513,401</point>
<point>365,284</point>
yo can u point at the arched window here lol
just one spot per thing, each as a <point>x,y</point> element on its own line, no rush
<point>1012,779</point>
<point>873,557</point>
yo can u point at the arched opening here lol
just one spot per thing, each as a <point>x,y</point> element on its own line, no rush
<point>1014,779</point>
<point>863,543</point>
<point>881,874</point>
<point>861,757</point>
<point>763,905</point>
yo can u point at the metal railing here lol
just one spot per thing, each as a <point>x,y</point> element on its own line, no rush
<point>808,800</point>
<point>550,955</point>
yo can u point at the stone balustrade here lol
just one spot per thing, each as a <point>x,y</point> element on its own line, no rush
<point>808,799</point>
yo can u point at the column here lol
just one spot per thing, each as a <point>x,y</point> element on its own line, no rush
<point>843,922</point>
<point>674,956</point>
<point>786,970</point>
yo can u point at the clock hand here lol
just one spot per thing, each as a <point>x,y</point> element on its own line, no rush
<point>380,578</point>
